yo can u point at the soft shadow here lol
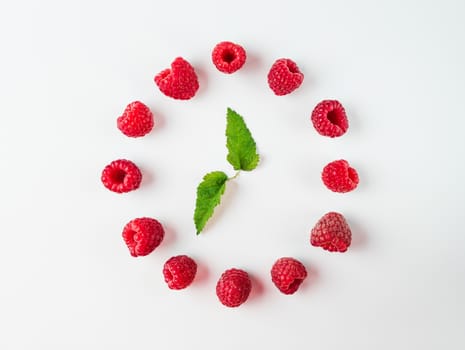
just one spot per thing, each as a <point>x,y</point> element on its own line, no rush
<point>203,273</point>
<point>359,235</point>
<point>203,79</point>
<point>312,276</point>
<point>252,63</point>
<point>147,177</point>
<point>364,180</point>
<point>170,235</point>
<point>353,115</point>
<point>159,121</point>
<point>258,288</point>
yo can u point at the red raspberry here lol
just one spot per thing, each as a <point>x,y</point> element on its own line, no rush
<point>143,235</point>
<point>121,176</point>
<point>233,287</point>
<point>179,271</point>
<point>329,118</point>
<point>338,176</point>
<point>288,274</point>
<point>228,57</point>
<point>332,233</point>
<point>136,121</point>
<point>284,77</point>
<point>180,82</point>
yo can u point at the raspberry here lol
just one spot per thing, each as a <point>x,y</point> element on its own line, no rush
<point>288,274</point>
<point>338,176</point>
<point>329,118</point>
<point>233,287</point>
<point>228,57</point>
<point>136,121</point>
<point>332,233</point>
<point>121,176</point>
<point>284,77</point>
<point>179,271</point>
<point>143,235</point>
<point>180,82</point>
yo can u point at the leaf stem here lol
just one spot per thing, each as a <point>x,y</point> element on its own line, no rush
<point>235,175</point>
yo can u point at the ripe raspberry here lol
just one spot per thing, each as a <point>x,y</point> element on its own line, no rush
<point>332,233</point>
<point>338,176</point>
<point>179,271</point>
<point>233,287</point>
<point>121,176</point>
<point>288,274</point>
<point>329,118</point>
<point>143,235</point>
<point>180,82</point>
<point>284,77</point>
<point>136,121</point>
<point>228,57</point>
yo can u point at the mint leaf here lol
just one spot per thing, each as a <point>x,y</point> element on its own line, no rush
<point>241,146</point>
<point>209,194</point>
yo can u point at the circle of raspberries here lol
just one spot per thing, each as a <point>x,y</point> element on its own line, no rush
<point>329,118</point>
<point>228,57</point>
<point>233,287</point>
<point>121,176</point>
<point>136,120</point>
<point>288,274</point>
<point>179,271</point>
<point>143,235</point>
<point>332,233</point>
<point>284,77</point>
<point>180,82</point>
<point>338,176</point>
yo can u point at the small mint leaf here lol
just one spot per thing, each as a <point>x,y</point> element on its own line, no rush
<point>240,143</point>
<point>209,194</point>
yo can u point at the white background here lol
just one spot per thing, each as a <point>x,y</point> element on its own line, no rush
<point>67,71</point>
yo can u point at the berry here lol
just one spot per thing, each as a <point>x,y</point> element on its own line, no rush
<point>329,118</point>
<point>288,274</point>
<point>180,82</point>
<point>143,235</point>
<point>284,77</point>
<point>332,233</point>
<point>121,176</point>
<point>136,121</point>
<point>338,176</point>
<point>228,57</point>
<point>179,271</point>
<point>233,287</point>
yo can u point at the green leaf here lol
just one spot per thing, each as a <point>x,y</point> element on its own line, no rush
<point>209,194</point>
<point>241,146</point>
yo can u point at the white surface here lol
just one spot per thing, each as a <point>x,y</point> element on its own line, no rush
<point>68,70</point>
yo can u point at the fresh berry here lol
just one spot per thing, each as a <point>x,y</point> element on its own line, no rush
<point>233,287</point>
<point>228,57</point>
<point>179,271</point>
<point>180,82</point>
<point>284,77</point>
<point>121,176</point>
<point>136,121</point>
<point>338,176</point>
<point>329,118</point>
<point>143,235</point>
<point>332,233</point>
<point>288,274</point>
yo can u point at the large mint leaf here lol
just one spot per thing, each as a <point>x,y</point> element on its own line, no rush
<point>209,194</point>
<point>241,146</point>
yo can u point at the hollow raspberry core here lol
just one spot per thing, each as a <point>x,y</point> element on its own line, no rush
<point>118,175</point>
<point>336,117</point>
<point>228,56</point>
